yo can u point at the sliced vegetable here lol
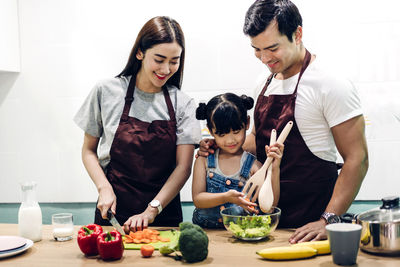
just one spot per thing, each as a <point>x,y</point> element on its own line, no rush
<point>251,226</point>
<point>146,236</point>
<point>252,209</point>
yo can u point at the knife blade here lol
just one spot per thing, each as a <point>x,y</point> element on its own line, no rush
<point>115,223</point>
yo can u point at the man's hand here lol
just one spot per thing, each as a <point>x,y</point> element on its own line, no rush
<point>206,146</point>
<point>312,231</point>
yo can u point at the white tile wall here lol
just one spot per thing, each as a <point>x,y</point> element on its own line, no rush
<point>66,46</point>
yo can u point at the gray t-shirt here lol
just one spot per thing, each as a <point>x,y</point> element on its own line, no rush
<point>100,114</point>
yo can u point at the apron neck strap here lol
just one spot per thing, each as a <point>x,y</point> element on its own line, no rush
<point>129,100</point>
<point>169,104</point>
<point>306,62</point>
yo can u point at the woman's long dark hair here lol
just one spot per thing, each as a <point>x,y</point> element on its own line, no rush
<point>157,30</point>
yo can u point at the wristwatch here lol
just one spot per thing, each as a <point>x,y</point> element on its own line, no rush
<point>156,204</point>
<point>330,217</point>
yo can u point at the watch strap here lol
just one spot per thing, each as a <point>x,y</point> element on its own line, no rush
<point>156,204</point>
<point>327,215</point>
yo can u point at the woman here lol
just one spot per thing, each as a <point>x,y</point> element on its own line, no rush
<point>140,131</point>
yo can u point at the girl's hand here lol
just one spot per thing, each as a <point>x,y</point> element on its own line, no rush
<point>236,197</point>
<point>107,200</point>
<point>140,221</point>
<point>275,151</point>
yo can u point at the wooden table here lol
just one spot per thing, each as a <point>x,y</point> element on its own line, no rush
<point>224,250</point>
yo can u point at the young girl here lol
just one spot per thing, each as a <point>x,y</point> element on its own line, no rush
<point>219,179</point>
<point>140,131</point>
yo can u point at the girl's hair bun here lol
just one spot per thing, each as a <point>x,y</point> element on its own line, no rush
<point>201,111</point>
<point>248,101</point>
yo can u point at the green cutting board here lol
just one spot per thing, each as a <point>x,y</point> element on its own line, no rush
<point>157,245</point>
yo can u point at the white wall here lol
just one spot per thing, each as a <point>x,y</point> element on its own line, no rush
<point>67,45</point>
<point>9,42</point>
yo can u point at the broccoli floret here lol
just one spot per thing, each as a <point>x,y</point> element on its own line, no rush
<point>185,225</point>
<point>193,244</point>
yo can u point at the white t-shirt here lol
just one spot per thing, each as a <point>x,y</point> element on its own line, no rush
<point>323,101</point>
<point>100,114</point>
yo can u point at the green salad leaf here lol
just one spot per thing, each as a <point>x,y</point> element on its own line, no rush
<point>251,226</point>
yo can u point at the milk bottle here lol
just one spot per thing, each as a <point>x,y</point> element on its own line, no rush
<point>30,214</point>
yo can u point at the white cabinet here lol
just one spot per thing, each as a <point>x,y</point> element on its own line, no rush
<point>9,41</point>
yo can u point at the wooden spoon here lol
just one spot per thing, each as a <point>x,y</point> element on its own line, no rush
<point>253,185</point>
<point>266,195</point>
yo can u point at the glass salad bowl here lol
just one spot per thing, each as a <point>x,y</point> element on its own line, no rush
<point>250,227</point>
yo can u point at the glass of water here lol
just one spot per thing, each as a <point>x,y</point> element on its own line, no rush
<point>63,226</point>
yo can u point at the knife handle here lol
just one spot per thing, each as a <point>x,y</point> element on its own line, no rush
<point>109,214</point>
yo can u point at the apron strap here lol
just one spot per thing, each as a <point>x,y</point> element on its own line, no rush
<point>306,62</point>
<point>169,104</point>
<point>266,84</point>
<point>128,98</point>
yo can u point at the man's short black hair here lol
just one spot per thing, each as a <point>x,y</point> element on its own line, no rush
<point>262,12</point>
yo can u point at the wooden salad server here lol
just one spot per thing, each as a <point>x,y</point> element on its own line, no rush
<point>253,185</point>
<point>266,195</point>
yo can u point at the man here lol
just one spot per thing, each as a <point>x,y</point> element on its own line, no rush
<point>327,115</point>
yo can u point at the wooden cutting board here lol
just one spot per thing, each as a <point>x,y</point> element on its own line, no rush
<point>157,245</point>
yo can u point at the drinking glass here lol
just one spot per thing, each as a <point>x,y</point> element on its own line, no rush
<point>63,226</point>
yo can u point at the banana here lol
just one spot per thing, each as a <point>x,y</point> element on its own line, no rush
<point>321,246</point>
<point>365,236</point>
<point>287,253</point>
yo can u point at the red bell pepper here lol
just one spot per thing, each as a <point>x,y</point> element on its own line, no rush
<point>87,238</point>
<point>110,245</point>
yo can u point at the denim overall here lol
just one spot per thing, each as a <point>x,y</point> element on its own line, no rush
<point>217,182</point>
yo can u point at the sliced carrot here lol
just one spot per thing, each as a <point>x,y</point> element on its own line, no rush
<point>137,241</point>
<point>155,232</point>
<point>145,237</point>
<point>127,239</point>
<point>164,239</point>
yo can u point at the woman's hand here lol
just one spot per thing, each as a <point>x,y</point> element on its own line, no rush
<point>141,221</point>
<point>236,197</point>
<point>107,200</point>
<point>206,146</point>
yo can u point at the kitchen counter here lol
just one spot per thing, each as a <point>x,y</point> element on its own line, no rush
<point>224,250</point>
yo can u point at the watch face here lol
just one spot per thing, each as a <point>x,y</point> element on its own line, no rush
<point>333,219</point>
<point>155,203</point>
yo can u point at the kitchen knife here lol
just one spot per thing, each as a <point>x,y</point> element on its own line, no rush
<point>115,223</point>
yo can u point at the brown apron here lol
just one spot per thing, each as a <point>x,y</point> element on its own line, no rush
<point>143,155</point>
<point>307,181</point>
